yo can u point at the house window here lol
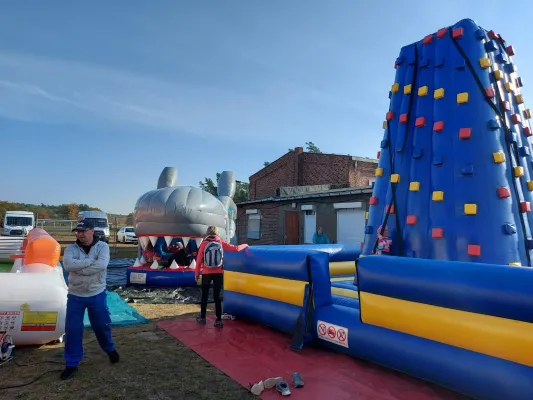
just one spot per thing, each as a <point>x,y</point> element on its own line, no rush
<point>254,226</point>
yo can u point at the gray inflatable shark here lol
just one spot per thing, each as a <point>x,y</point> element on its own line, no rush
<point>184,211</point>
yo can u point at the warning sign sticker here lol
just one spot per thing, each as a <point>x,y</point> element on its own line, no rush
<point>332,333</point>
<point>9,320</point>
<point>39,321</point>
<point>138,277</point>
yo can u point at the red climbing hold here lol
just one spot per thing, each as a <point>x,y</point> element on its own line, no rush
<point>457,33</point>
<point>504,192</point>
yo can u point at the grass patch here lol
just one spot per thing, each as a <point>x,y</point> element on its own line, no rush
<point>153,365</point>
<point>5,266</point>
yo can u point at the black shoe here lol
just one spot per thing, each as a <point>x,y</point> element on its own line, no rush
<point>219,324</point>
<point>68,372</point>
<point>113,356</point>
<point>200,320</point>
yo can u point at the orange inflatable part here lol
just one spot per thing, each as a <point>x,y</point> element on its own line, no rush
<point>41,248</point>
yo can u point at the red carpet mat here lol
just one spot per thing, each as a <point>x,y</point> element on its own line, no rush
<point>249,353</point>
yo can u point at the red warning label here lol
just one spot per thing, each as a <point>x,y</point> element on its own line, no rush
<point>332,333</point>
<point>322,329</point>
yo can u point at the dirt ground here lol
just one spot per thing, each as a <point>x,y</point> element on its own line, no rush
<point>153,365</point>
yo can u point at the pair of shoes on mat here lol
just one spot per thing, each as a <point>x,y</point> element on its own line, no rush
<point>269,383</point>
<point>218,323</point>
<point>281,386</point>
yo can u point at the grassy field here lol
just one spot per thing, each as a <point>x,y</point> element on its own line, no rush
<point>118,250</point>
<point>5,266</point>
<point>153,364</point>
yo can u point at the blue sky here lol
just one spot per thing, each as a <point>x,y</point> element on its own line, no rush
<point>96,97</point>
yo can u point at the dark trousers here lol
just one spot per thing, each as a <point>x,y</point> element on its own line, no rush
<point>217,280</point>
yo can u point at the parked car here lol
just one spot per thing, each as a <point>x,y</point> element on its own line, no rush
<point>127,235</point>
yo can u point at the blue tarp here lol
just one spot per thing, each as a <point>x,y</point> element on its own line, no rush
<point>122,314</point>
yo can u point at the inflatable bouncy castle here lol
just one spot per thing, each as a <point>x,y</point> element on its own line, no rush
<point>444,281</point>
<point>33,297</point>
<point>173,219</point>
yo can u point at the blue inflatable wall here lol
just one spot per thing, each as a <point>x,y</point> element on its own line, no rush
<point>269,285</point>
<point>455,169</point>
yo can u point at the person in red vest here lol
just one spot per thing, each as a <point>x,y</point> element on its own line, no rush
<point>210,261</point>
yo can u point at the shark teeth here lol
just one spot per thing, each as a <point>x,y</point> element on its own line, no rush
<point>168,239</point>
<point>174,265</point>
<point>154,265</point>
<point>142,260</point>
<point>185,240</point>
<point>137,263</point>
<point>199,241</point>
<point>144,240</point>
<point>153,239</point>
<point>193,264</point>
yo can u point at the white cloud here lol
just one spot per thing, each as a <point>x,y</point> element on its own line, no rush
<point>57,91</point>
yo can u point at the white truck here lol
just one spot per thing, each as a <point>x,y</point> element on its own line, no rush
<point>18,223</point>
<point>99,221</point>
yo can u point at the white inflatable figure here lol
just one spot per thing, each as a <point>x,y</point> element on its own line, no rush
<point>6,346</point>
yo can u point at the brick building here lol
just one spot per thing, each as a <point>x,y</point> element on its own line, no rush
<point>301,191</point>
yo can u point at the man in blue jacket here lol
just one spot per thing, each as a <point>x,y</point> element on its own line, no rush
<point>320,237</point>
<point>86,261</point>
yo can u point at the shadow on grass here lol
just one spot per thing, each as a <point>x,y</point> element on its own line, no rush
<point>153,365</point>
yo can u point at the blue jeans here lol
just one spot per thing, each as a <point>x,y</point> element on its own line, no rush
<point>100,322</point>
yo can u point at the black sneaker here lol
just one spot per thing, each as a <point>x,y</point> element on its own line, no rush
<point>200,320</point>
<point>113,356</point>
<point>68,372</point>
<point>219,324</point>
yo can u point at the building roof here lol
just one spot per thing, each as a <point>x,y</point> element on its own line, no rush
<point>329,193</point>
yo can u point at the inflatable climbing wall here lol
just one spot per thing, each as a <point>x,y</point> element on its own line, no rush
<point>455,174</point>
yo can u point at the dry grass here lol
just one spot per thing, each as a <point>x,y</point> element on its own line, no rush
<point>153,365</point>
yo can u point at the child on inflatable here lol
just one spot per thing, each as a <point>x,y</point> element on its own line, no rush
<point>384,242</point>
<point>210,261</point>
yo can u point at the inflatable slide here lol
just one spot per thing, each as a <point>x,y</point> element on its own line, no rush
<point>174,216</point>
<point>444,280</point>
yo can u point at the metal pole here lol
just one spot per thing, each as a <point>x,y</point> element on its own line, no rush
<point>116,232</point>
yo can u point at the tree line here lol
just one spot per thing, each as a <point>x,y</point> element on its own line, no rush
<point>62,211</point>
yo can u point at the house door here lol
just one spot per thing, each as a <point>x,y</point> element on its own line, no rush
<point>309,226</point>
<point>292,227</point>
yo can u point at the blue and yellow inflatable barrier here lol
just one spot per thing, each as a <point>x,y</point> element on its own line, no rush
<point>266,282</point>
<point>270,284</point>
<point>465,326</point>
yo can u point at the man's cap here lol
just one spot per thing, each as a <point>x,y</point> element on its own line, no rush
<point>83,226</point>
